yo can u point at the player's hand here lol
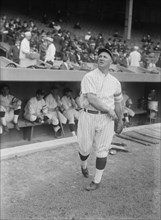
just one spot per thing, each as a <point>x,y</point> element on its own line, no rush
<point>112,114</point>
<point>118,126</point>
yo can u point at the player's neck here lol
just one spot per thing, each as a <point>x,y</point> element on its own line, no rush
<point>104,70</point>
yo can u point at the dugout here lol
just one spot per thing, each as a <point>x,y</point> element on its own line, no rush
<point>25,81</point>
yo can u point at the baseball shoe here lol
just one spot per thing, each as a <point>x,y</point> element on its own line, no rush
<point>85,172</point>
<point>92,186</point>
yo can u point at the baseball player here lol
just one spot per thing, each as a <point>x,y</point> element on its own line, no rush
<point>126,105</point>
<point>69,109</point>
<point>36,109</point>
<point>10,107</point>
<point>54,106</point>
<point>101,101</point>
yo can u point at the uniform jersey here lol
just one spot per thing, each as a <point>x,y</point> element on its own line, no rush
<point>67,103</point>
<point>6,101</point>
<point>106,87</point>
<point>35,106</point>
<point>96,130</point>
<point>51,102</point>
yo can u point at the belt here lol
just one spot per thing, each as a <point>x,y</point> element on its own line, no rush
<point>94,112</point>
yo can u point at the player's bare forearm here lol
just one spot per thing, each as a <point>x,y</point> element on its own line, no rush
<point>100,106</point>
<point>97,103</point>
<point>118,110</point>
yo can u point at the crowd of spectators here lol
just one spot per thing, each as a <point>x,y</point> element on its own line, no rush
<point>76,50</point>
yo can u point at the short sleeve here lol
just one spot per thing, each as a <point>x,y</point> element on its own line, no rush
<point>118,93</point>
<point>88,85</point>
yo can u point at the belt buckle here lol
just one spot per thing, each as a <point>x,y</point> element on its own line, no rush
<point>99,112</point>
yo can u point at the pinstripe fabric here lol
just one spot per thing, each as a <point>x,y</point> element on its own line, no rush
<point>97,130</point>
<point>107,88</point>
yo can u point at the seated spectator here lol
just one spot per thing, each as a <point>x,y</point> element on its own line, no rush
<point>66,65</point>
<point>69,109</point>
<point>128,113</point>
<point>36,109</point>
<point>13,53</point>
<point>50,52</point>
<point>100,39</point>
<point>144,60</point>
<point>10,107</point>
<point>122,59</point>
<point>148,39</point>
<point>54,106</point>
<point>87,36</point>
<point>157,47</point>
<point>108,45</point>
<point>72,55</point>
<point>42,49</point>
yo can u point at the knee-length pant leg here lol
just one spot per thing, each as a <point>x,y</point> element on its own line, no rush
<point>104,132</point>
<point>85,132</point>
<point>95,131</point>
<point>70,115</point>
<point>30,117</point>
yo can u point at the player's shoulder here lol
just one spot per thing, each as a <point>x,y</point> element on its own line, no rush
<point>49,96</point>
<point>113,78</point>
<point>32,99</point>
<point>92,73</point>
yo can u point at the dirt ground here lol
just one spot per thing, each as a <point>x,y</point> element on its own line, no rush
<point>48,185</point>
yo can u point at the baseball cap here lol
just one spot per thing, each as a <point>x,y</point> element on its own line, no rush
<point>102,49</point>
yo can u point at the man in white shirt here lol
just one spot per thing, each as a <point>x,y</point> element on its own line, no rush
<point>25,61</point>
<point>50,52</point>
<point>135,57</point>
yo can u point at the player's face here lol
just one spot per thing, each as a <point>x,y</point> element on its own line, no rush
<point>39,97</point>
<point>104,60</point>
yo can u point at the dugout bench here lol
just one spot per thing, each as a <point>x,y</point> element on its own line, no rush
<point>26,126</point>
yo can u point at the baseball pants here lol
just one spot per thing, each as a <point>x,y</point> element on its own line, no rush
<point>56,116</point>
<point>95,131</point>
<point>71,115</point>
